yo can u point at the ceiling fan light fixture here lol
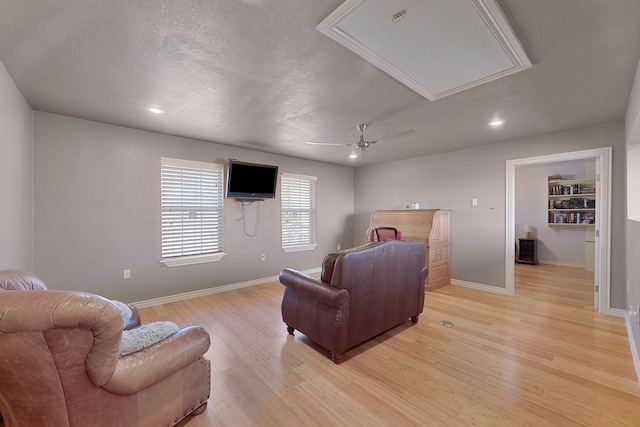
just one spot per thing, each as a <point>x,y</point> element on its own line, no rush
<point>360,146</point>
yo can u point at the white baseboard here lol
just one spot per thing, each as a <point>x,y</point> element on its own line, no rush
<point>209,291</point>
<point>615,312</point>
<point>479,286</point>
<point>632,344</point>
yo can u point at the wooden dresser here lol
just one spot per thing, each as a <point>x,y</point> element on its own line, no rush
<point>429,225</point>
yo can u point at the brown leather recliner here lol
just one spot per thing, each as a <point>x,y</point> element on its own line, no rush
<point>59,365</point>
<point>361,293</point>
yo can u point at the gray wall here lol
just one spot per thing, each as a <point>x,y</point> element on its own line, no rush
<point>450,180</point>
<point>97,212</point>
<point>16,189</point>
<point>97,203</point>
<point>561,245</point>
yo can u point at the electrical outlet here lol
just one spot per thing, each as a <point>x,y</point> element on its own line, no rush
<point>127,274</point>
<point>263,257</point>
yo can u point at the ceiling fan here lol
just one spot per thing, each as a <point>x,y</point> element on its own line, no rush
<point>363,144</point>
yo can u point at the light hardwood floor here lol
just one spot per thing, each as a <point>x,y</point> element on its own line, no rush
<point>544,357</point>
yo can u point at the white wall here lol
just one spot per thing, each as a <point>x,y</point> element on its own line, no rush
<point>561,245</point>
<point>450,180</point>
<point>16,189</point>
<point>97,212</point>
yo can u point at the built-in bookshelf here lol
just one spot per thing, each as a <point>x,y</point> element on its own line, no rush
<point>572,202</point>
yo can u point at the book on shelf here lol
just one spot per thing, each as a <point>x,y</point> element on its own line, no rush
<point>571,218</point>
<point>561,218</point>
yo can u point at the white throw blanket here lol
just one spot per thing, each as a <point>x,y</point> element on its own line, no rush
<point>145,335</point>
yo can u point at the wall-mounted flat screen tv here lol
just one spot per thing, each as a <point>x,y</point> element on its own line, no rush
<point>251,180</point>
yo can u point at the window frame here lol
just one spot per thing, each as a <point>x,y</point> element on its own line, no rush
<point>216,207</point>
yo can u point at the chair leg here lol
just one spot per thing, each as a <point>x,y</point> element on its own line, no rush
<point>414,319</point>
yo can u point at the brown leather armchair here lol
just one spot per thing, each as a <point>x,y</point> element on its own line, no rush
<point>59,365</point>
<point>361,293</point>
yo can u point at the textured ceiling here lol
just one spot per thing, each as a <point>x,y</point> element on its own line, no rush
<point>257,74</point>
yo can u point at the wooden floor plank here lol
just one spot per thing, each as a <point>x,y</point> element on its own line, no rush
<point>543,357</point>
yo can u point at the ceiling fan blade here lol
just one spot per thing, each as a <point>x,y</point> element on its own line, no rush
<point>328,143</point>
<point>394,135</point>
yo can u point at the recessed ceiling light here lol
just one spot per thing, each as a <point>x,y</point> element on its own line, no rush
<point>496,123</point>
<point>155,110</point>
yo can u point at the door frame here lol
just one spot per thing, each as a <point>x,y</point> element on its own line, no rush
<point>602,273</point>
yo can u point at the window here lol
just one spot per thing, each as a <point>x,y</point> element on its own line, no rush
<point>192,195</point>
<point>298,196</point>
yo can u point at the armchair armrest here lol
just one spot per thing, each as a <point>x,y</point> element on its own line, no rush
<point>49,310</point>
<point>314,288</point>
<point>139,370</point>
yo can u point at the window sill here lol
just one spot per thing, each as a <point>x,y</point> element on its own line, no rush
<point>300,248</point>
<point>194,259</point>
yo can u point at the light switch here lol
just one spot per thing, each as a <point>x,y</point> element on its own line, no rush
<point>474,202</point>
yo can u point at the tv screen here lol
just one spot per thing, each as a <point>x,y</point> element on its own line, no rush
<point>251,180</point>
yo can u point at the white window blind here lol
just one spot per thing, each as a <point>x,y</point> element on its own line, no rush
<point>192,195</point>
<point>298,198</point>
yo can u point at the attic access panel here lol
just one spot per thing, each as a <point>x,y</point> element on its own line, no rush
<point>435,47</point>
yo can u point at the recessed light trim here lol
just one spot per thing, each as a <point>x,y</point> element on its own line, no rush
<point>155,110</point>
<point>496,123</point>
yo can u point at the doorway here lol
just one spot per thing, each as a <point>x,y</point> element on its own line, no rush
<point>602,157</point>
